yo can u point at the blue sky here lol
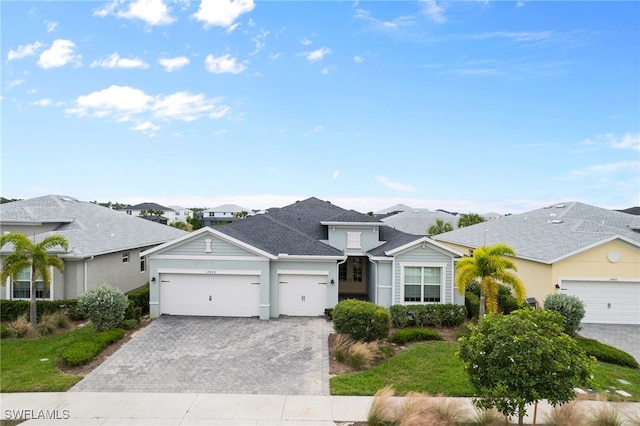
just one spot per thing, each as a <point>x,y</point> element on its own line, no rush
<point>472,106</point>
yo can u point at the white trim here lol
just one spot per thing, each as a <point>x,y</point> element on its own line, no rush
<point>607,279</point>
<point>285,257</point>
<point>443,274</point>
<point>425,240</point>
<point>190,257</point>
<point>593,245</point>
<point>300,272</point>
<point>206,230</point>
<point>51,286</point>
<point>208,271</point>
<point>351,224</point>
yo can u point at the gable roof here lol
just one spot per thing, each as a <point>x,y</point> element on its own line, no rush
<point>298,230</point>
<point>418,221</point>
<point>90,228</point>
<point>230,208</point>
<point>551,233</point>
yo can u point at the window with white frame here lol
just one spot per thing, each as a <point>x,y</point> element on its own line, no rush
<point>422,284</point>
<point>125,257</point>
<point>143,264</point>
<point>21,288</point>
<point>353,240</point>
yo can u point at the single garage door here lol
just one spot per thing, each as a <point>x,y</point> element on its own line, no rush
<point>210,295</point>
<point>302,295</point>
<point>607,302</point>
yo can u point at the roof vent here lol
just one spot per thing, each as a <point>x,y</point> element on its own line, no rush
<point>556,221</point>
<point>561,206</point>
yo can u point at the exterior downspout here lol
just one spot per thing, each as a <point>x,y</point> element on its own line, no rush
<point>375,282</point>
<point>86,273</point>
<point>338,277</point>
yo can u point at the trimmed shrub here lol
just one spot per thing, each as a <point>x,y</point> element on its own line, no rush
<point>84,351</point>
<point>129,324</point>
<point>407,335</point>
<point>133,312</point>
<point>605,353</point>
<point>140,298</point>
<point>105,306</point>
<point>6,332</point>
<point>400,317</point>
<point>571,308</point>
<point>437,315</point>
<point>472,303</point>
<point>361,320</point>
<point>10,310</point>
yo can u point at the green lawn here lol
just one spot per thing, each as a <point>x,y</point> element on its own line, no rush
<point>31,365</point>
<point>433,368</point>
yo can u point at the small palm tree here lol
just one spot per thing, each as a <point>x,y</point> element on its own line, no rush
<point>490,266</point>
<point>440,227</point>
<point>27,254</point>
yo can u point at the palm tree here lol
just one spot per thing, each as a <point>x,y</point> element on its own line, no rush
<point>490,266</point>
<point>26,254</point>
<point>241,215</point>
<point>440,227</point>
<point>470,219</point>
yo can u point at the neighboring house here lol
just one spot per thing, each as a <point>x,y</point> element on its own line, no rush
<point>167,218</point>
<point>418,221</point>
<point>221,215</point>
<point>104,244</point>
<point>181,214</point>
<point>571,248</point>
<point>297,260</point>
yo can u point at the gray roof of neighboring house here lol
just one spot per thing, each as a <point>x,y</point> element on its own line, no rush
<point>90,228</point>
<point>297,230</point>
<point>550,233</point>
<point>231,208</point>
<point>178,208</point>
<point>418,221</point>
<point>148,206</point>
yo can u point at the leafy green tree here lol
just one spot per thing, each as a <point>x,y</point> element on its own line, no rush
<point>241,215</point>
<point>521,358</point>
<point>470,219</point>
<point>489,266</point>
<point>194,222</point>
<point>440,227</point>
<point>27,254</point>
<point>181,225</point>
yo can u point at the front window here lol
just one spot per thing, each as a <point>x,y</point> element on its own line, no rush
<point>353,240</point>
<point>125,257</point>
<point>422,284</point>
<point>22,287</point>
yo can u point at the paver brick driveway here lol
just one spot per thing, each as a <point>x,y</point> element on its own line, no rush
<point>219,355</point>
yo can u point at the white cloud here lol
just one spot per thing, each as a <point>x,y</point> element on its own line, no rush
<point>59,54</point>
<point>318,54</point>
<point>223,64</point>
<point>260,41</point>
<point>434,11</point>
<point>335,174</point>
<point>128,104</point>
<point>51,26</point>
<point>611,140</point>
<point>24,51</point>
<point>396,24</point>
<point>222,13</point>
<point>317,129</point>
<point>14,83</point>
<point>153,12</point>
<point>606,169</point>
<point>172,64</point>
<point>115,61</point>
<point>358,59</point>
<point>45,102</point>
<point>305,42</point>
<point>395,185</point>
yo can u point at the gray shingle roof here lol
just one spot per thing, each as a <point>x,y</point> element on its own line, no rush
<point>418,221</point>
<point>297,230</point>
<point>90,228</point>
<point>549,233</point>
<point>148,206</point>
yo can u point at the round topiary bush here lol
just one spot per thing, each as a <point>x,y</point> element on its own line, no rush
<point>571,308</point>
<point>361,320</point>
<point>105,306</point>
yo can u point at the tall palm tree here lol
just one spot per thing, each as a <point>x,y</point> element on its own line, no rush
<point>490,266</point>
<point>440,227</point>
<point>27,254</point>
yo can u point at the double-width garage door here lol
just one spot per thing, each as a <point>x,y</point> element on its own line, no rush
<point>607,302</point>
<point>210,295</point>
<point>302,295</point>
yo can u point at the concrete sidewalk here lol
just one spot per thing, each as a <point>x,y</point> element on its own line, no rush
<point>170,409</point>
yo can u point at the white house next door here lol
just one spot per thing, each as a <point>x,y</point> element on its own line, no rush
<point>303,295</point>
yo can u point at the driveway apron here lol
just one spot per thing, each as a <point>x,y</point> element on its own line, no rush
<point>621,336</point>
<point>176,354</point>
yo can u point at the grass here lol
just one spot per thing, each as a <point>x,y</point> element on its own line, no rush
<point>433,368</point>
<point>430,367</point>
<point>31,365</point>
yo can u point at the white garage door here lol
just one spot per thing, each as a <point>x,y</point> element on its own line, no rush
<point>302,295</point>
<point>607,302</point>
<point>210,295</point>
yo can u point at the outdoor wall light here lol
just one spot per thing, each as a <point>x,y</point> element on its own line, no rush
<point>153,279</point>
<point>332,281</point>
<point>558,286</point>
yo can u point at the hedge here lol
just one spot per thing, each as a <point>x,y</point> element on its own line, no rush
<point>84,351</point>
<point>10,310</point>
<point>605,353</point>
<point>437,315</point>
<point>140,297</point>
<point>407,335</point>
<point>361,320</point>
